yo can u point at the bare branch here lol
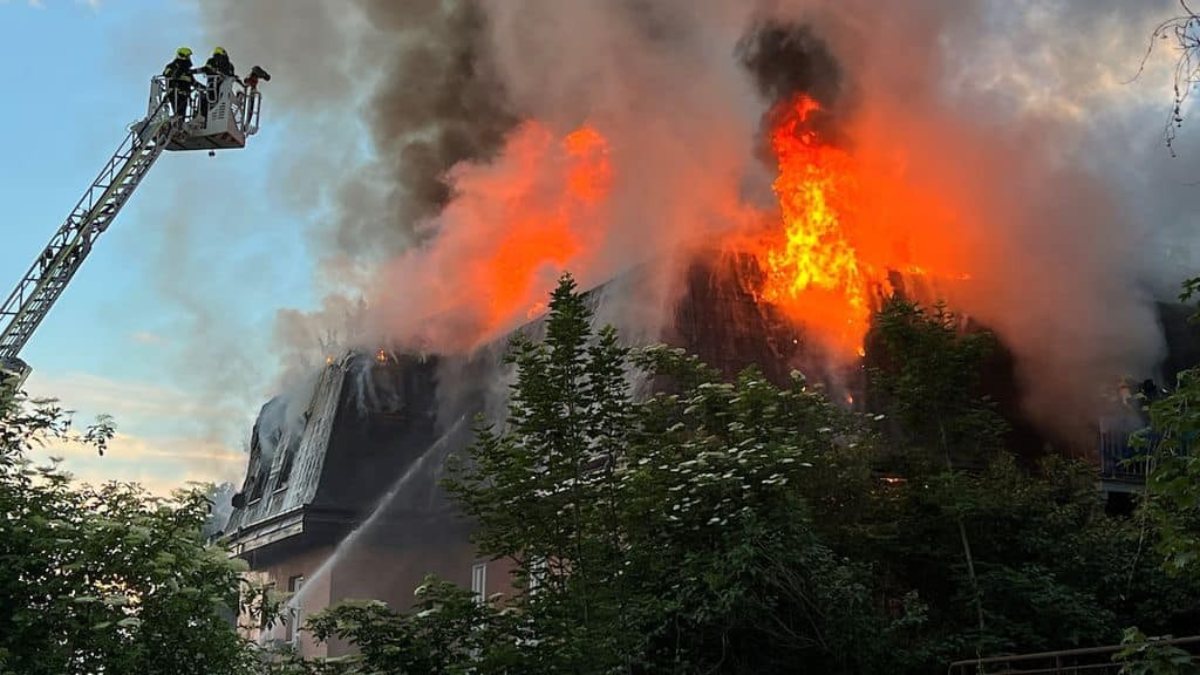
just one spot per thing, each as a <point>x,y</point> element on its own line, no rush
<point>1184,31</point>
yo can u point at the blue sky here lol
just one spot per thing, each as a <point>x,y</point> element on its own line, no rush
<point>168,324</point>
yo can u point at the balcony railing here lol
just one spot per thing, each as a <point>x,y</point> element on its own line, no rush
<point>1119,460</point>
<point>1090,661</point>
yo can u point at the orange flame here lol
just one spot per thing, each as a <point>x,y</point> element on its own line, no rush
<point>515,224</point>
<point>845,221</point>
<point>816,270</point>
<point>544,233</point>
<point>844,228</point>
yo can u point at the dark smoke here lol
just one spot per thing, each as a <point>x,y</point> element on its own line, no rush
<point>787,60</point>
<point>439,103</point>
<point>418,73</point>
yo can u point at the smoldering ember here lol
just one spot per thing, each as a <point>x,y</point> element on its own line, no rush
<point>645,336</point>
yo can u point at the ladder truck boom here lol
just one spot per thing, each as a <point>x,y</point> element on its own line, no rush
<point>46,279</point>
<point>230,113</point>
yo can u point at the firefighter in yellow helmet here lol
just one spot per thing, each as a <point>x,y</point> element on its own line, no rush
<point>180,81</point>
<point>217,68</point>
<point>219,64</point>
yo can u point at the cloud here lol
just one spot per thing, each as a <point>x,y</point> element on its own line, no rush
<point>130,402</point>
<point>160,464</point>
<point>165,434</point>
<point>148,338</point>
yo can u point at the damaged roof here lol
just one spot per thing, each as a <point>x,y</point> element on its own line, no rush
<point>320,459</point>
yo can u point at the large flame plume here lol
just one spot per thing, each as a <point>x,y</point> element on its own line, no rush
<point>815,270</point>
<point>840,228</point>
<point>843,232</point>
<point>514,226</point>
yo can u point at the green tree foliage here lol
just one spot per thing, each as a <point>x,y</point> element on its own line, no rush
<point>105,579</point>
<point>1051,569</point>
<point>448,626</point>
<point>1140,655</point>
<point>746,527</point>
<point>1173,483</point>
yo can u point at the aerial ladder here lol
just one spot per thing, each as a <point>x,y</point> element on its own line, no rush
<point>222,116</point>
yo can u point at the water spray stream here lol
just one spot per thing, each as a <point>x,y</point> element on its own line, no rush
<point>297,600</point>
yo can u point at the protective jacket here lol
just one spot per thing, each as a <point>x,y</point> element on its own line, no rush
<point>179,72</point>
<point>219,64</point>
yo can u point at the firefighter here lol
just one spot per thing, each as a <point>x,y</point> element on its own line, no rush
<point>219,64</point>
<point>216,69</point>
<point>179,81</point>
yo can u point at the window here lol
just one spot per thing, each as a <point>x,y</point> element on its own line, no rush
<point>479,581</point>
<point>537,572</point>
<point>289,449</point>
<point>260,484</point>
<point>292,622</point>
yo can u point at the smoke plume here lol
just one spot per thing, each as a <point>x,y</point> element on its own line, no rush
<point>510,141</point>
<point>990,107</point>
<point>409,72</point>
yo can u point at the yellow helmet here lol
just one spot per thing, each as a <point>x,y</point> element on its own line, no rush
<point>183,52</point>
<point>220,50</point>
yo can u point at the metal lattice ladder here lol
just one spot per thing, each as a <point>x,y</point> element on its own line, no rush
<point>45,281</point>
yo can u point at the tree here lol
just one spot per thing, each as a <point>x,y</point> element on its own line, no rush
<point>745,527</point>
<point>1141,655</point>
<point>105,579</point>
<point>1039,564</point>
<point>1183,31</point>
<point>928,381</point>
<point>666,534</point>
<point>1173,482</point>
<point>448,630</point>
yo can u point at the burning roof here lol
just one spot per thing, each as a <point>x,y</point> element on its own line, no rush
<point>322,456</point>
<point>326,456</point>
